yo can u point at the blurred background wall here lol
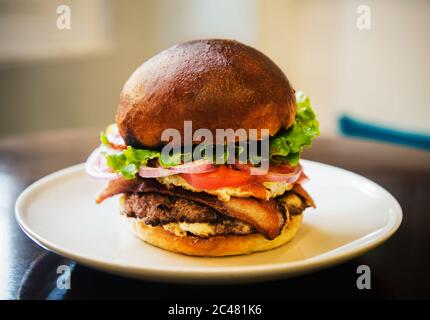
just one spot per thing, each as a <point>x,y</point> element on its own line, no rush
<point>51,78</point>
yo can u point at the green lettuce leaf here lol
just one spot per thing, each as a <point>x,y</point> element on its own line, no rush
<point>128,161</point>
<point>288,145</point>
<point>169,160</point>
<point>103,138</point>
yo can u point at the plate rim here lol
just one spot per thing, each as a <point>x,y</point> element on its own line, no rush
<point>209,272</point>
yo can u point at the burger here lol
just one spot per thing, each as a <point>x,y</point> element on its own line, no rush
<point>221,203</point>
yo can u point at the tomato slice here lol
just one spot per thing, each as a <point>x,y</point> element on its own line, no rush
<point>219,178</point>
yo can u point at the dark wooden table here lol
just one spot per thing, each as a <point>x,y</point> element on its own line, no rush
<point>400,267</point>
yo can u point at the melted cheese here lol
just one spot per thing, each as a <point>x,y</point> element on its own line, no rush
<point>277,188</point>
<point>199,229</point>
<point>205,229</point>
<point>272,189</point>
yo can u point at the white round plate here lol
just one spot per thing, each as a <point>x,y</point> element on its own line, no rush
<point>353,215</point>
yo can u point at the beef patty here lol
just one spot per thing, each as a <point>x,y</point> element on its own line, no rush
<point>158,209</point>
<point>267,216</point>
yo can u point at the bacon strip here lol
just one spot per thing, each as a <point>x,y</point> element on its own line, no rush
<point>304,195</point>
<point>114,187</point>
<point>263,215</point>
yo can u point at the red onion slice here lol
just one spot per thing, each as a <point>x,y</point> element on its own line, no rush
<point>198,166</point>
<point>115,140</point>
<point>271,176</point>
<point>154,172</point>
<point>283,177</point>
<point>96,166</point>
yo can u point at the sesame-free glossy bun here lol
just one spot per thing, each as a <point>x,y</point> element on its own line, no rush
<point>218,84</point>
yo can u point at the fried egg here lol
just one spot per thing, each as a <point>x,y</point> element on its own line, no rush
<point>263,191</point>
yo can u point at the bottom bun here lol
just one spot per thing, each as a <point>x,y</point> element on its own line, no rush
<point>216,246</point>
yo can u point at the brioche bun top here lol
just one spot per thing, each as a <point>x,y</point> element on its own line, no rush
<point>218,84</point>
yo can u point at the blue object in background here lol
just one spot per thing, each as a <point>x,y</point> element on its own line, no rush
<point>357,128</point>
